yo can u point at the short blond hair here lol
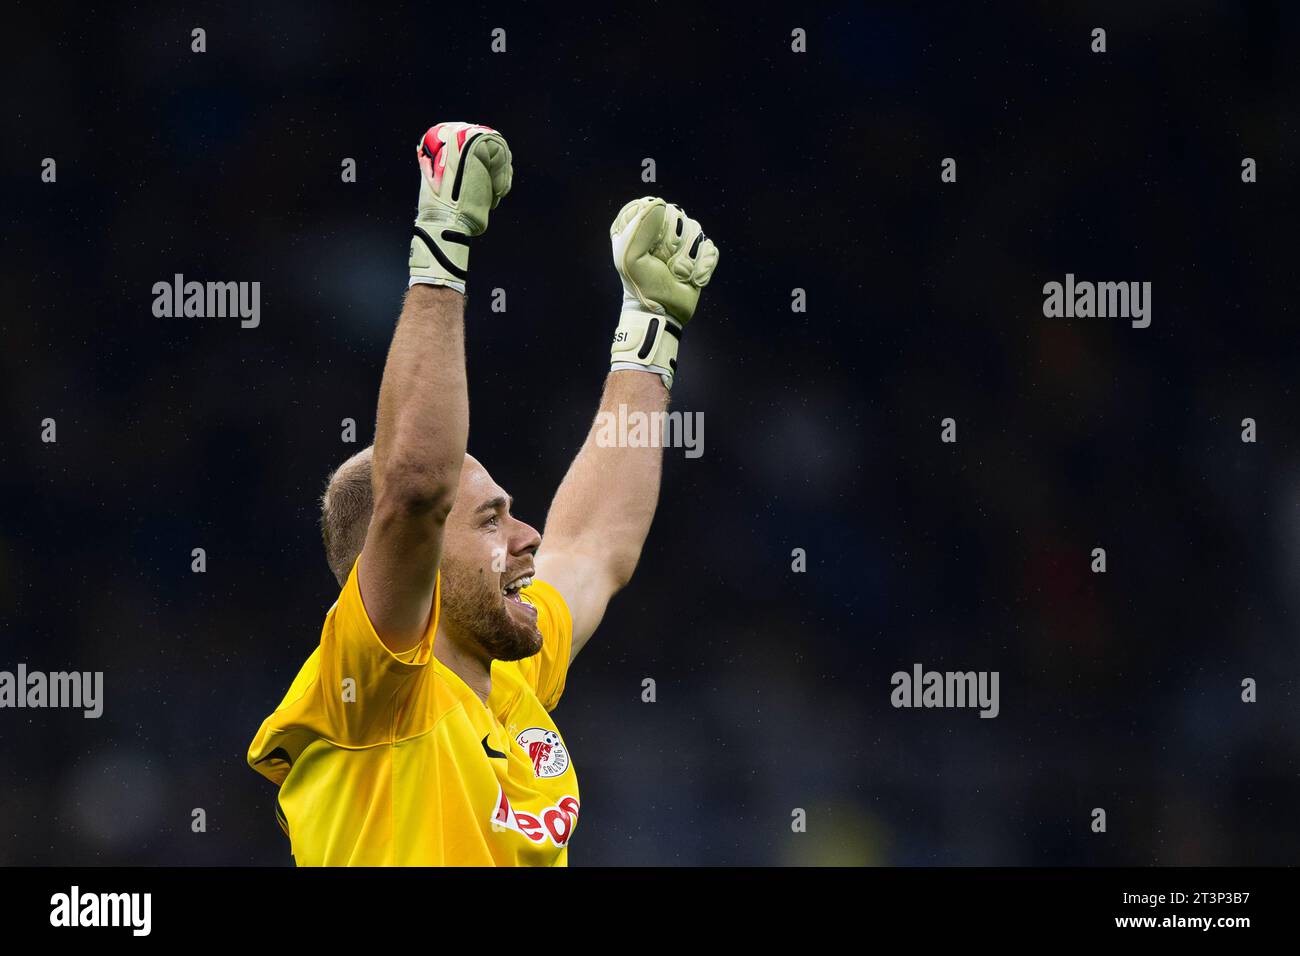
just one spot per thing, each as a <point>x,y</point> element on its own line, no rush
<point>345,510</point>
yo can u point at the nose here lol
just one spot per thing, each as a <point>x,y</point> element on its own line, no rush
<point>526,539</point>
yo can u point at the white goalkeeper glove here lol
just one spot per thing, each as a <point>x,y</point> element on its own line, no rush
<point>464,172</point>
<point>664,261</point>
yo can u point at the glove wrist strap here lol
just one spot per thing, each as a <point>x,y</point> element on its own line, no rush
<point>434,280</point>
<point>439,256</point>
<point>648,342</point>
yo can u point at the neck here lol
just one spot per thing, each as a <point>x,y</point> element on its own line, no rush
<point>469,664</point>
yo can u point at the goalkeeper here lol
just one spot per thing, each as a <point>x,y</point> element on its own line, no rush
<point>419,731</point>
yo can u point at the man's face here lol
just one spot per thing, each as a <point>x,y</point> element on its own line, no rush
<point>486,554</point>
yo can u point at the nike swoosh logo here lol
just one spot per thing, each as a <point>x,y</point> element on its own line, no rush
<point>490,752</point>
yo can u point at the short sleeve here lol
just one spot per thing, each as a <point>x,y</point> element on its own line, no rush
<point>546,670</point>
<point>363,683</point>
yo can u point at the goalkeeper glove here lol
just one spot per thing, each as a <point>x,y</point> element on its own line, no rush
<point>664,261</point>
<point>465,170</point>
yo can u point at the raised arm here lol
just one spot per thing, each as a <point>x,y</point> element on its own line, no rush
<point>602,511</point>
<point>423,422</point>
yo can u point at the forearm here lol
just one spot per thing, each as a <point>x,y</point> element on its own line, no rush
<point>606,503</point>
<point>423,422</point>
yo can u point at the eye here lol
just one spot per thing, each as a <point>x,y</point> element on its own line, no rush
<point>491,522</point>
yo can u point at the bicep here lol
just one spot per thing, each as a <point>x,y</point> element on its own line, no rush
<point>585,584</point>
<point>398,572</point>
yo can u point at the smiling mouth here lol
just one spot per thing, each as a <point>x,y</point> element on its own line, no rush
<point>511,591</point>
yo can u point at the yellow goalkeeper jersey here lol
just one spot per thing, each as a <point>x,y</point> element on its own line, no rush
<point>392,760</point>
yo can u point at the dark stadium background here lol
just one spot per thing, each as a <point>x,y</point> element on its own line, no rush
<point>818,171</point>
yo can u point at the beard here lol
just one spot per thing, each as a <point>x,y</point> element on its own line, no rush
<point>473,604</point>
